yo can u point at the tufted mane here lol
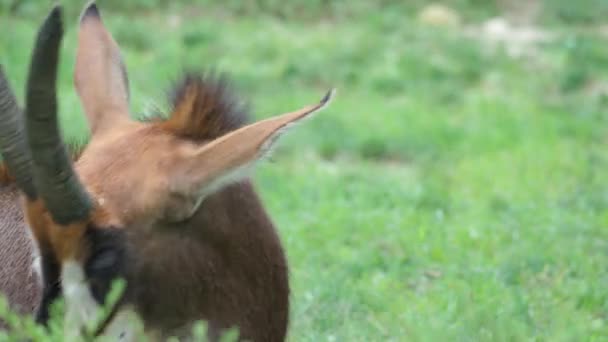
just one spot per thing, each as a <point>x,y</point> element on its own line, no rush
<point>204,107</point>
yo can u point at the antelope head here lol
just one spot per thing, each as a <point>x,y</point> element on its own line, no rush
<point>164,204</point>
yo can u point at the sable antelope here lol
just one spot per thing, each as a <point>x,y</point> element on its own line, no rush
<point>165,204</point>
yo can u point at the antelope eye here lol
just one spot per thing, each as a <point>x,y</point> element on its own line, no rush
<point>103,261</point>
<point>101,269</point>
<point>107,253</point>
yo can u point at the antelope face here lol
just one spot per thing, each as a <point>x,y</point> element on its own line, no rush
<point>99,219</point>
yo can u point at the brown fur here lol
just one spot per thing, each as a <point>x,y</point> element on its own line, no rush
<point>173,209</point>
<point>224,263</point>
<point>226,266</point>
<point>5,176</point>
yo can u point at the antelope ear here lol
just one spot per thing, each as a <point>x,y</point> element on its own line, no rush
<point>100,76</point>
<point>230,157</point>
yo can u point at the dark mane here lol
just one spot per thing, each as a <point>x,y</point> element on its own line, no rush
<point>204,107</point>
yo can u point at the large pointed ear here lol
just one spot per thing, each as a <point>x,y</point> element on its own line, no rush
<point>100,76</point>
<point>230,157</point>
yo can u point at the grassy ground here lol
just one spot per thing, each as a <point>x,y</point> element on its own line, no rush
<point>450,193</point>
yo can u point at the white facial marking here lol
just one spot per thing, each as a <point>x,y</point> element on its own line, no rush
<point>36,259</point>
<point>37,265</point>
<point>124,327</point>
<point>81,307</point>
<point>83,310</point>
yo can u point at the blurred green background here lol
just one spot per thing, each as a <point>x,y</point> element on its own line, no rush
<point>457,187</point>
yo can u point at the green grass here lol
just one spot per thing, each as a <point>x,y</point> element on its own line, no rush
<point>450,193</point>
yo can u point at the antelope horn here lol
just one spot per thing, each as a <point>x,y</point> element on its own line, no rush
<point>13,144</point>
<point>54,176</point>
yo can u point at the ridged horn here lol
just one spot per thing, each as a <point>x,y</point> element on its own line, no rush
<point>13,141</point>
<point>54,177</point>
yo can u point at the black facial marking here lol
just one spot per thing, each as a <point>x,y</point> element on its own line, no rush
<point>107,260</point>
<point>51,286</point>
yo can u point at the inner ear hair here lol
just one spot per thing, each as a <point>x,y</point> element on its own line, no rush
<point>204,170</point>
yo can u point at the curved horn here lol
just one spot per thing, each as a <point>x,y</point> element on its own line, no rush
<point>55,179</point>
<point>12,140</point>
